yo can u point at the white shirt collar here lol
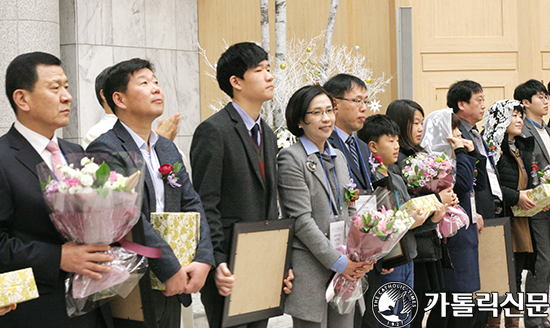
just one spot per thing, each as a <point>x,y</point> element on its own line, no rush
<point>37,141</point>
<point>247,119</point>
<point>142,145</point>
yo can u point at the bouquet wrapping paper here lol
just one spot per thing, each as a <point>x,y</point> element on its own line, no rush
<point>182,232</point>
<point>17,286</point>
<point>426,203</point>
<point>540,195</point>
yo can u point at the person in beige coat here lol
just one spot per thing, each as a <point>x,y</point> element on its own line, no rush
<point>312,177</point>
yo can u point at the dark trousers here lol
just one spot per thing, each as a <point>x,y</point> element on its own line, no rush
<point>435,320</point>
<point>367,319</point>
<point>167,310</point>
<point>213,305</point>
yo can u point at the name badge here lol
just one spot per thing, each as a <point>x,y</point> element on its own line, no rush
<point>337,233</point>
<point>365,204</point>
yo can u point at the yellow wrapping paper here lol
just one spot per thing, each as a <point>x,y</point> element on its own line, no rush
<point>17,286</point>
<point>182,232</point>
<point>424,203</point>
<point>540,195</point>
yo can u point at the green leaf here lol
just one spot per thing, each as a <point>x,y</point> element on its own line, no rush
<point>177,167</point>
<point>44,184</point>
<point>103,192</point>
<point>102,175</point>
<point>389,225</point>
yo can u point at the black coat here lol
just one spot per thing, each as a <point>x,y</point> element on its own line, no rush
<point>508,169</point>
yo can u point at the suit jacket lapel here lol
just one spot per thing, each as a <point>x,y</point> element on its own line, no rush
<point>248,145</point>
<point>129,145</point>
<point>270,158</point>
<point>537,137</point>
<point>170,194</point>
<point>26,154</point>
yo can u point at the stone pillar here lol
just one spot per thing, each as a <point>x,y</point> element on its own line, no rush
<point>26,25</point>
<point>100,33</point>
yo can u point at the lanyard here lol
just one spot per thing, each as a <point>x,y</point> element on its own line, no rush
<point>360,155</point>
<point>333,205</point>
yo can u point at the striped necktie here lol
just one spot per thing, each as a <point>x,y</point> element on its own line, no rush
<point>353,150</point>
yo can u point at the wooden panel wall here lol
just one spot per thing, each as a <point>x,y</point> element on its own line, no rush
<point>367,23</point>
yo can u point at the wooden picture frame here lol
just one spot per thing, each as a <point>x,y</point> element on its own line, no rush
<point>136,310</point>
<point>260,258</point>
<point>496,257</point>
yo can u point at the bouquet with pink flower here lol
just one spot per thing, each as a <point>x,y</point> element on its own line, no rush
<point>371,236</point>
<point>93,205</point>
<point>427,173</point>
<point>544,174</point>
<point>430,174</point>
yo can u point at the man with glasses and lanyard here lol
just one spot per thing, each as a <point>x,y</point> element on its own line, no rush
<point>349,94</point>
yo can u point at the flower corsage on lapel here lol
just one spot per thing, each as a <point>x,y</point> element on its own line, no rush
<point>352,193</point>
<point>168,173</point>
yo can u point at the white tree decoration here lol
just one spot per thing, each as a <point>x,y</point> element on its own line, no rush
<point>303,67</point>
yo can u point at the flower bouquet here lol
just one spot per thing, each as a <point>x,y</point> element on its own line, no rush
<point>430,174</point>
<point>371,237</point>
<point>91,204</point>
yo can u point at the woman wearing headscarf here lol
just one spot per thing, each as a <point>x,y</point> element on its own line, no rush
<point>513,155</point>
<point>442,134</point>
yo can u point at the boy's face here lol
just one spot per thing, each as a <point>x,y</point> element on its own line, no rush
<point>387,147</point>
<point>257,83</point>
<point>350,115</point>
<point>538,106</point>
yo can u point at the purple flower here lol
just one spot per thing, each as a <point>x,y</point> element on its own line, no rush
<point>373,163</point>
<point>173,181</point>
<point>351,184</point>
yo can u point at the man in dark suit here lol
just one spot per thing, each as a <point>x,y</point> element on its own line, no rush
<point>467,100</point>
<point>234,168</point>
<point>534,96</point>
<point>133,92</point>
<point>37,89</point>
<point>349,94</point>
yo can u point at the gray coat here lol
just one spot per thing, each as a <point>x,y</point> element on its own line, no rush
<point>304,196</point>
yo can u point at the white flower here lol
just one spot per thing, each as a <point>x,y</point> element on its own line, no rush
<point>85,160</point>
<point>90,168</point>
<point>87,180</point>
<point>63,187</point>
<point>75,189</point>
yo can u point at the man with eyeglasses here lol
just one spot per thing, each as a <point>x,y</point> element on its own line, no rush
<point>349,94</point>
<point>534,96</point>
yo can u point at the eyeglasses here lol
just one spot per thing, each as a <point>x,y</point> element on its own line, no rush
<point>358,102</point>
<point>319,112</point>
<point>543,97</point>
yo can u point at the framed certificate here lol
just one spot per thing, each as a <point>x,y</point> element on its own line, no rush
<point>496,257</point>
<point>260,260</point>
<point>136,310</point>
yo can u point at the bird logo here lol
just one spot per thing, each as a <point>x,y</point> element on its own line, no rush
<point>396,305</point>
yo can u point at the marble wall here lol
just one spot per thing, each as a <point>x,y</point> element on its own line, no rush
<point>99,33</point>
<point>26,25</point>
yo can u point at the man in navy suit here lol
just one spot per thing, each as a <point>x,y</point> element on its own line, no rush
<point>133,92</point>
<point>37,89</point>
<point>349,94</point>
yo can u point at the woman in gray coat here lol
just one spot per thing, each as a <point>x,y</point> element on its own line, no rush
<point>312,181</point>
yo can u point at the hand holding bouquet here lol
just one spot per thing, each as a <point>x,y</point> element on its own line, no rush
<point>430,174</point>
<point>93,205</point>
<point>371,237</point>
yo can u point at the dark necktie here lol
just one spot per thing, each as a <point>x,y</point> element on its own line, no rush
<point>254,134</point>
<point>353,150</point>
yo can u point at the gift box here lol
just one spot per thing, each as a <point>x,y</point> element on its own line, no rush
<point>424,203</point>
<point>17,286</point>
<point>540,195</point>
<point>182,232</point>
